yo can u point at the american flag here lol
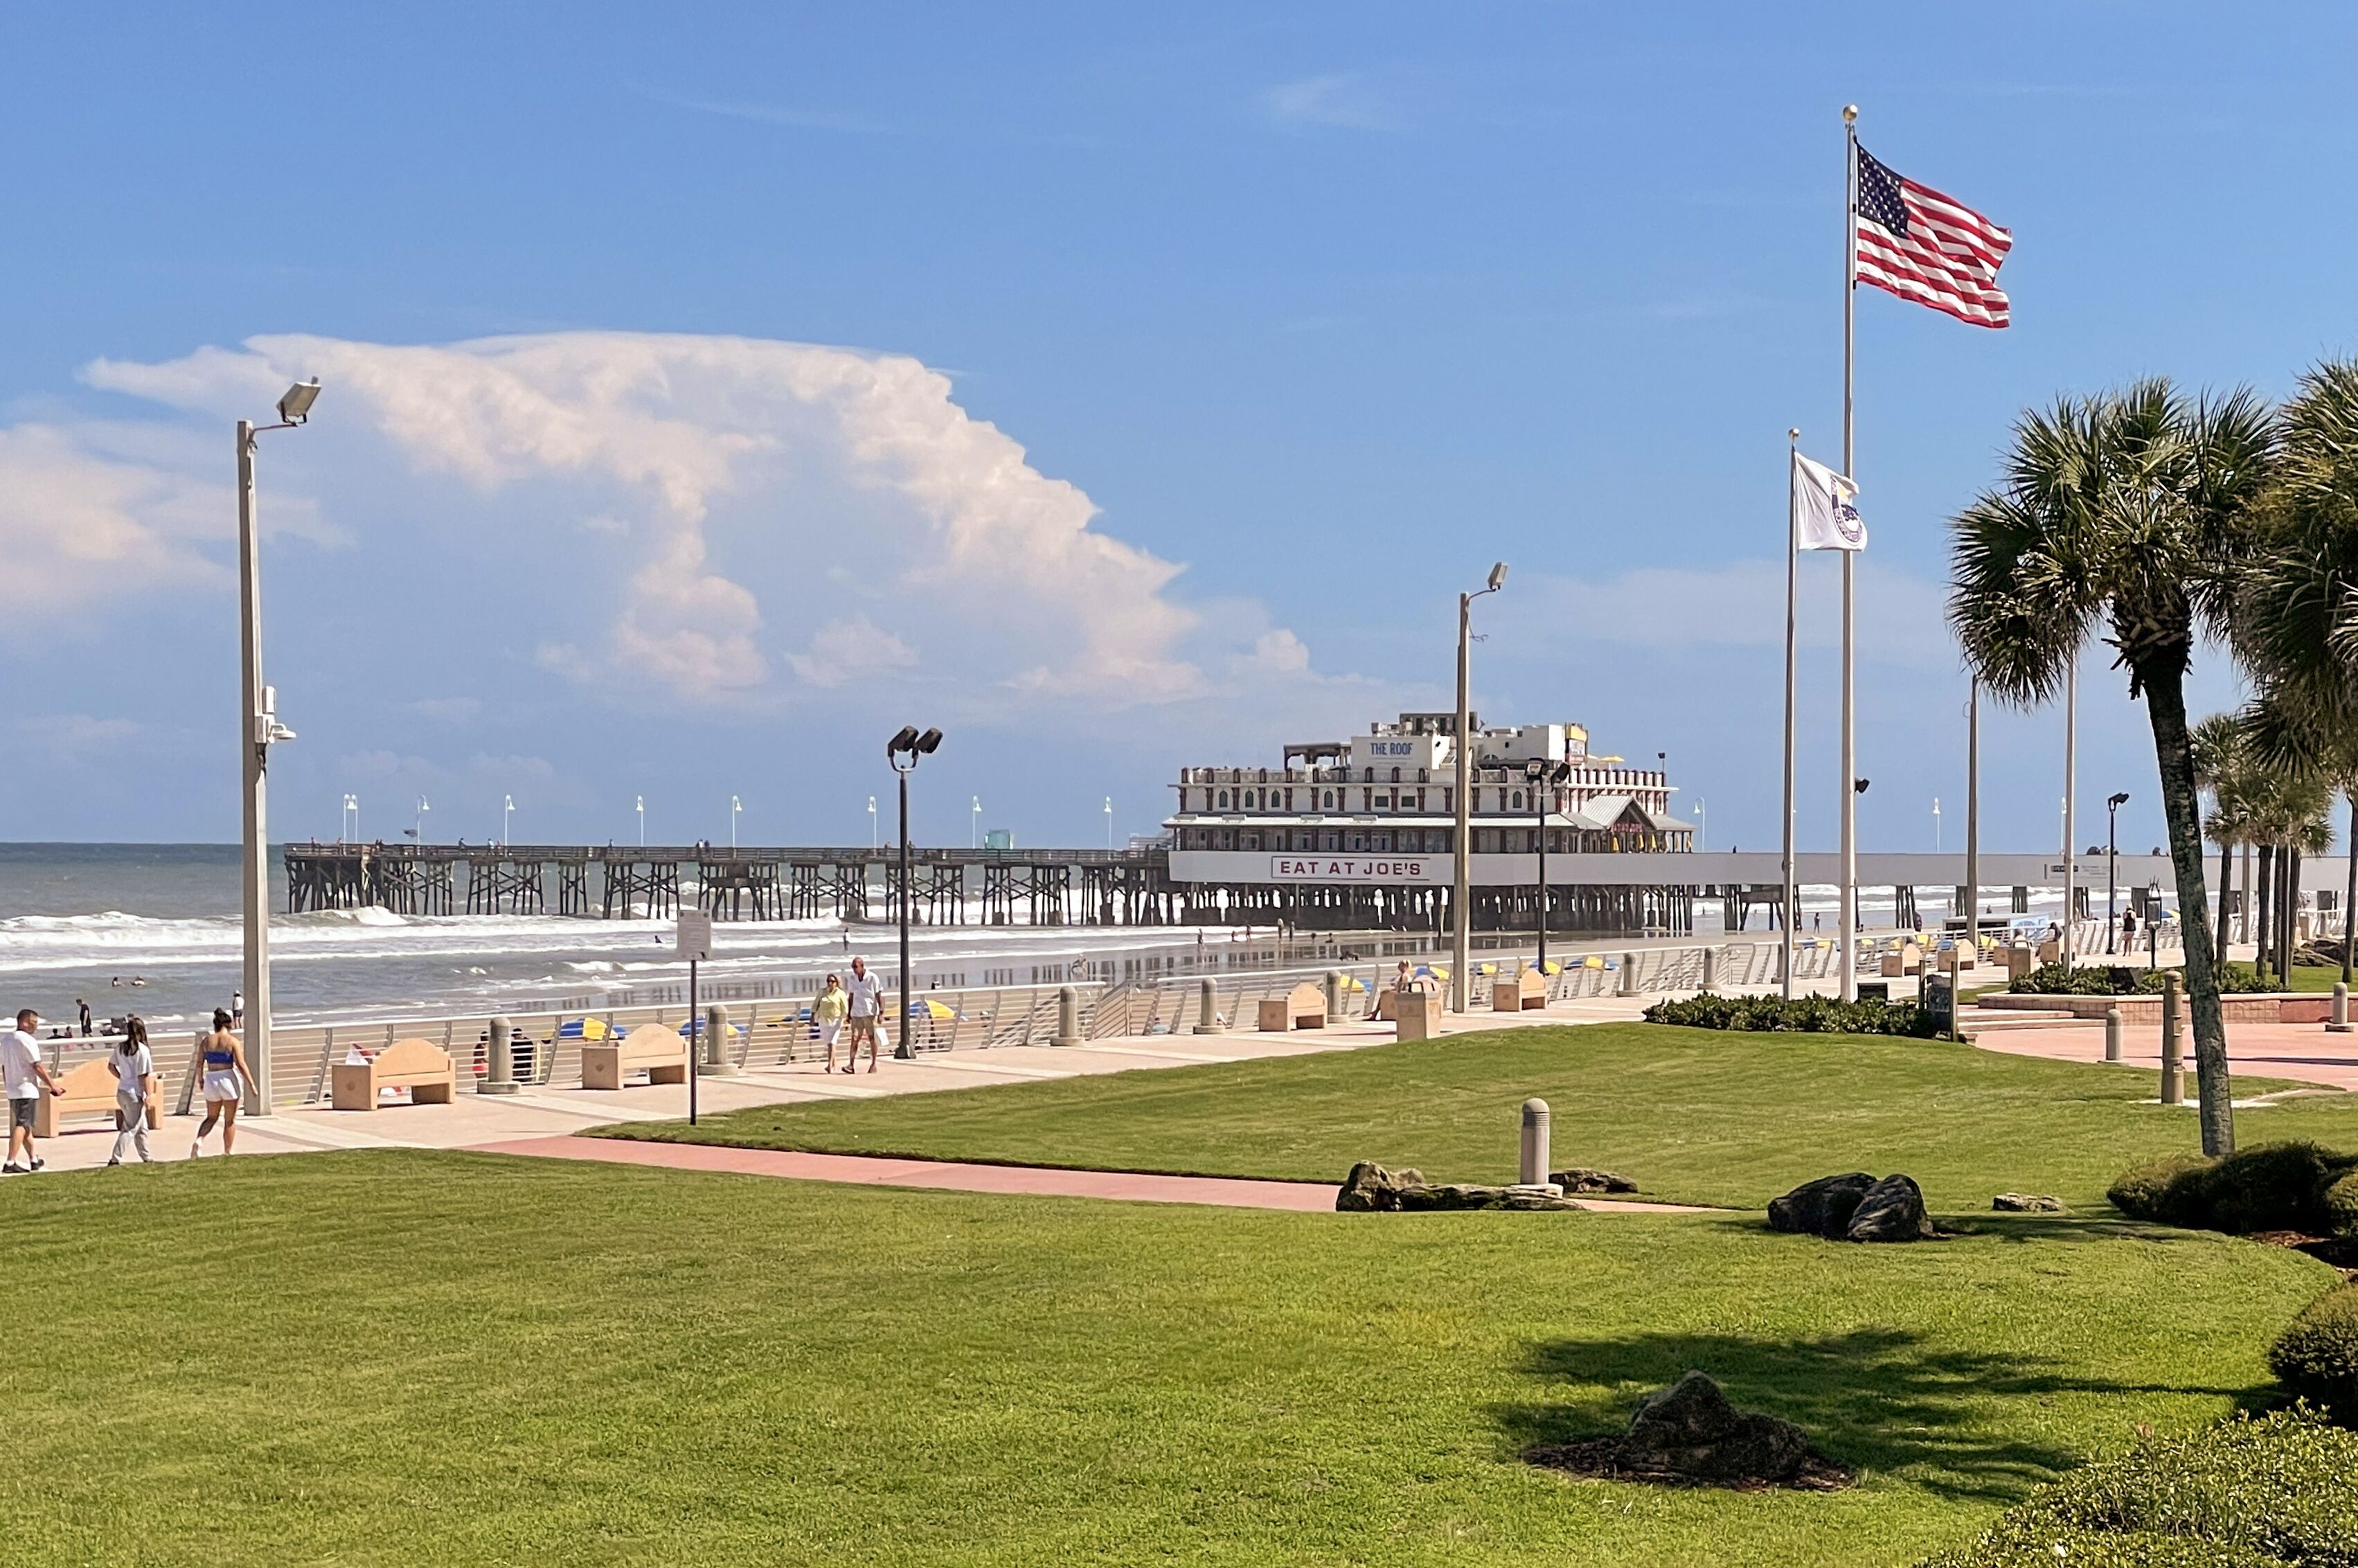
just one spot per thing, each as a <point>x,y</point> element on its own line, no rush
<point>1923,246</point>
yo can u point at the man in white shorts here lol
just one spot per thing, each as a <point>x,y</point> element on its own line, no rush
<point>25,1076</point>
<point>867,994</point>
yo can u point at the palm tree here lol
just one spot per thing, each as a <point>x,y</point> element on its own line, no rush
<point>2295,620</point>
<point>2224,765</point>
<point>2129,515</point>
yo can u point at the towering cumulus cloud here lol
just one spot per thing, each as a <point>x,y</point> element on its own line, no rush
<point>746,520</point>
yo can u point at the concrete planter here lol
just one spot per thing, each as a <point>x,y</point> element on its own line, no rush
<point>2147,1008</point>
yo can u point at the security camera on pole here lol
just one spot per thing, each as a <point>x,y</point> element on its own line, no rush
<point>906,744</point>
<point>258,730</point>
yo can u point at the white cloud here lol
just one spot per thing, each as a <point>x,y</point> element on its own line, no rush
<point>447,709</point>
<point>722,473</point>
<point>1338,100</point>
<point>80,528</point>
<point>74,736</point>
<point>847,649</point>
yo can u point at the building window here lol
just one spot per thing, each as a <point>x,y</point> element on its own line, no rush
<point>1395,775</point>
<point>1485,840</point>
<point>1228,842</point>
<point>1245,841</point>
<point>1328,841</point>
<point>1330,802</point>
<point>1368,776</point>
<point>1381,843</point>
<point>1224,800</point>
<point>1384,802</point>
<point>1519,801</point>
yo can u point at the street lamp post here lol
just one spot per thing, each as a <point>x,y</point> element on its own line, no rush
<point>2112,863</point>
<point>418,832</point>
<point>258,730</point>
<point>1544,778</point>
<point>974,825</point>
<point>507,820</point>
<point>871,822</point>
<point>735,805</point>
<point>1108,817</point>
<point>348,826</point>
<point>908,744</point>
<point>642,809</point>
<point>1936,825</point>
<point>1461,895</point>
<point>1703,823</point>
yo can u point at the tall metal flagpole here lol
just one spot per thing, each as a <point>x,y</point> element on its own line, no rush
<point>1974,819</point>
<point>2071,790</point>
<point>1849,564</point>
<point>1792,561</point>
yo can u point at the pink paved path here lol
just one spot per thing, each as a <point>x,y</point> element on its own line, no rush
<point>2302,1052</point>
<point>1306,1197</point>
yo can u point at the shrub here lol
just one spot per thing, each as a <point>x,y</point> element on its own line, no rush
<point>2159,1192</point>
<point>2054,980</point>
<point>2316,1357</point>
<point>2243,1493</point>
<point>2342,1205</point>
<point>1802,1015</point>
<point>2268,1186</point>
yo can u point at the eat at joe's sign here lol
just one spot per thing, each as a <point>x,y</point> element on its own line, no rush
<point>1354,868</point>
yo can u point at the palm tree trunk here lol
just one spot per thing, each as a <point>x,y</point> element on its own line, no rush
<point>2263,942</point>
<point>2226,862</point>
<point>2165,706</point>
<point>2291,917</point>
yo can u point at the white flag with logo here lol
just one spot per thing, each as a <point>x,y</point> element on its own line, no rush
<point>1825,508</point>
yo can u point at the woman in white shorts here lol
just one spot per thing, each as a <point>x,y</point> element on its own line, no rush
<point>225,1062</point>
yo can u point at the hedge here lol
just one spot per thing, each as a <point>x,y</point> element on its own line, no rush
<point>2243,1493</point>
<point>1802,1015</point>
<point>2268,1186</point>
<point>2316,1357</point>
<point>2113,980</point>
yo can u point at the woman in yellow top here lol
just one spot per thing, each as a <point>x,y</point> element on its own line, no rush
<point>827,1013</point>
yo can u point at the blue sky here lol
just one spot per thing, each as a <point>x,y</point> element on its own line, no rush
<point>1119,388</point>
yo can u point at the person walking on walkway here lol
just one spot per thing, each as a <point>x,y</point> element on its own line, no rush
<point>827,1016</point>
<point>25,1076</point>
<point>134,1066</point>
<point>865,995</point>
<point>224,1064</point>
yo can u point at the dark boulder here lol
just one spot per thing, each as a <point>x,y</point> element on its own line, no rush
<point>1890,1210</point>
<point>1689,1435</point>
<point>1822,1208</point>
<point>1579,1179</point>
<point>1371,1189</point>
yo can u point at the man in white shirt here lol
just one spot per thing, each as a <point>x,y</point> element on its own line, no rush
<point>866,998</point>
<point>25,1076</point>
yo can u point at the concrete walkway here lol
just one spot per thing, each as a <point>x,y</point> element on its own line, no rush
<point>2303,1053</point>
<point>541,1112</point>
<point>1226,1192</point>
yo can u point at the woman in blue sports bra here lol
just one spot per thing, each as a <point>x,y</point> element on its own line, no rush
<point>225,1069</point>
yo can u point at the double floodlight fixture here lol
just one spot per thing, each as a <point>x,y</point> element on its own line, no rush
<point>2119,800</point>
<point>909,743</point>
<point>1539,770</point>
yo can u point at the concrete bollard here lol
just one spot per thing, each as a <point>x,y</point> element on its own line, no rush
<point>2173,1081</point>
<point>1207,1018</point>
<point>1710,970</point>
<point>2341,1023</point>
<point>717,1064</point>
<point>1334,996</point>
<point>1068,1017</point>
<point>1628,975</point>
<point>2111,1034</point>
<point>1532,1170</point>
<point>499,1066</point>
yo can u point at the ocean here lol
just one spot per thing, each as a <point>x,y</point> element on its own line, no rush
<point>154,929</point>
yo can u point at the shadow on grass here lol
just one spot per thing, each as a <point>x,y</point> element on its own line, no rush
<point>1873,1399</point>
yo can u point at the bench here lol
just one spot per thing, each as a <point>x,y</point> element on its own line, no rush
<point>1303,1007</point>
<point>88,1091</point>
<point>420,1066</point>
<point>1527,991</point>
<point>656,1049</point>
<point>1905,960</point>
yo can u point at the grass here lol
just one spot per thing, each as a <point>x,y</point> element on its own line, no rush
<point>1693,1115</point>
<point>395,1357</point>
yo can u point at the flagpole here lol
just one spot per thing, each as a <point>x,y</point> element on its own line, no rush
<point>2071,791</point>
<point>1973,818</point>
<point>1849,563</point>
<point>1792,564</point>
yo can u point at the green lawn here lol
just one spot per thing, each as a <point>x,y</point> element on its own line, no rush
<point>1693,1115</point>
<point>402,1358</point>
